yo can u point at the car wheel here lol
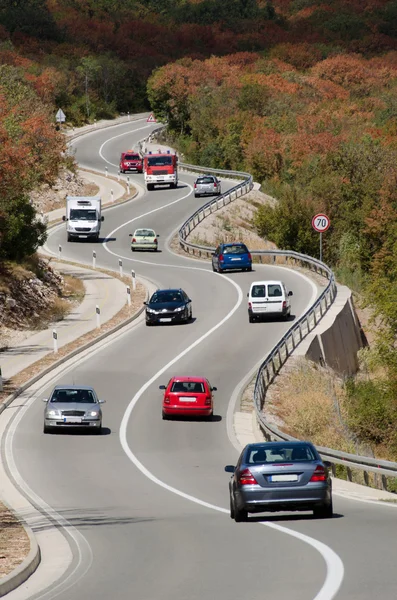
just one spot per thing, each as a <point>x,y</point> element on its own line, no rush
<point>219,270</point>
<point>231,508</point>
<point>132,249</point>
<point>249,268</point>
<point>148,324</point>
<point>165,417</point>
<point>240,515</point>
<point>46,429</point>
<point>251,318</point>
<point>69,237</point>
<point>325,511</point>
<point>98,430</point>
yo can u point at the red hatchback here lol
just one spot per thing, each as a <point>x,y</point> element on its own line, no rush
<point>188,396</point>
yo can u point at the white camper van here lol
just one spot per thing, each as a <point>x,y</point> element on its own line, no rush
<point>268,298</point>
<point>83,217</point>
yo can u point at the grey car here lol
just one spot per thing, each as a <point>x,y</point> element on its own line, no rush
<point>280,476</point>
<point>207,185</point>
<point>74,406</point>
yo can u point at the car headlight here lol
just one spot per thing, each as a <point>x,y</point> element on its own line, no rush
<point>151,310</point>
<point>93,413</point>
<point>179,309</point>
<point>52,413</point>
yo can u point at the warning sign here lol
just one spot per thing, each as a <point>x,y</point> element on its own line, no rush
<point>151,119</point>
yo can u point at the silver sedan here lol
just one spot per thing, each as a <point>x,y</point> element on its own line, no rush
<point>74,406</point>
<point>280,476</point>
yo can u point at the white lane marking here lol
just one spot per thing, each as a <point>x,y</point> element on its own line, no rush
<point>114,138</point>
<point>85,555</point>
<point>377,502</point>
<point>334,565</point>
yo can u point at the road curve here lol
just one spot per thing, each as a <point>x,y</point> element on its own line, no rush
<point>150,497</point>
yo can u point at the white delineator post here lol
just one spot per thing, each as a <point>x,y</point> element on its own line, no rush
<point>55,340</point>
<point>93,259</point>
<point>121,267</point>
<point>98,316</point>
<point>59,252</point>
<point>111,196</point>
<point>128,298</point>
<point>1,376</point>
<point>133,276</point>
<point>106,171</point>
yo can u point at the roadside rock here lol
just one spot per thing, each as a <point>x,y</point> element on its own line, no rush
<point>68,183</point>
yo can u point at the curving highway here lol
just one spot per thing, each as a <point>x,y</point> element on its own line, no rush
<point>149,498</point>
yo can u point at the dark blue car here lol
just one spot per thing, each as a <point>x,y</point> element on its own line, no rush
<point>231,256</point>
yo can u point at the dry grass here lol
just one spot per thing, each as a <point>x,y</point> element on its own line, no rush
<point>73,288</point>
<point>14,542</point>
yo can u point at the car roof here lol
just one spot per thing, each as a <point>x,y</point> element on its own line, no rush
<point>73,387</point>
<point>182,379</point>
<point>169,290</point>
<point>147,229</point>
<point>264,445</point>
<point>267,282</point>
<point>235,244</point>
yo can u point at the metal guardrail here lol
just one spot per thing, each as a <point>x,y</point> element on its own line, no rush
<point>277,357</point>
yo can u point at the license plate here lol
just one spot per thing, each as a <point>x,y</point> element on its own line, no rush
<point>187,399</point>
<point>165,320</point>
<point>72,419</point>
<point>260,310</point>
<point>83,236</point>
<point>284,477</point>
<point>235,259</point>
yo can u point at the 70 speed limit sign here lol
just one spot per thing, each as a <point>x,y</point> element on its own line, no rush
<point>321,223</point>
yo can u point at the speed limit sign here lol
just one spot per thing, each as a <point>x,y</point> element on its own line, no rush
<point>321,223</point>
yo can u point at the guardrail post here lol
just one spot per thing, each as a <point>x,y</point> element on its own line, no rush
<point>349,474</point>
<point>366,478</point>
<point>384,483</point>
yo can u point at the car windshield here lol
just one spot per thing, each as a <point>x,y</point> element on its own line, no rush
<point>144,233</point>
<point>159,161</point>
<point>237,249</point>
<point>288,452</point>
<point>79,214</point>
<point>83,396</point>
<point>258,291</point>
<point>274,290</point>
<point>160,297</point>
<point>131,157</point>
<point>188,387</point>
<point>206,180</point>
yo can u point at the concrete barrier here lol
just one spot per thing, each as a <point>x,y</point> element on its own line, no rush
<point>338,337</point>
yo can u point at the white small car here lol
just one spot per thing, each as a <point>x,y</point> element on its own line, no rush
<point>144,239</point>
<point>268,298</point>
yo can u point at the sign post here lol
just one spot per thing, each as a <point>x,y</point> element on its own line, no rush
<point>60,117</point>
<point>321,223</point>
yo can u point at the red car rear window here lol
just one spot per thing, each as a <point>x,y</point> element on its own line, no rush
<point>188,387</point>
<point>132,157</point>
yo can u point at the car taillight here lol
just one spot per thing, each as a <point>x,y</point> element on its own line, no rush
<point>133,239</point>
<point>221,257</point>
<point>155,241</point>
<point>249,256</point>
<point>195,185</point>
<point>246,478</point>
<point>208,400</point>
<point>166,400</point>
<point>319,474</point>
<point>249,304</point>
<point>284,304</point>
<point>214,184</point>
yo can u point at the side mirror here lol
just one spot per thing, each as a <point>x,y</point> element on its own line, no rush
<point>145,303</point>
<point>102,219</point>
<point>213,254</point>
<point>290,293</point>
<point>45,399</point>
<point>158,235</point>
<point>214,389</point>
<point>230,469</point>
<point>130,235</point>
<point>188,300</point>
<point>63,218</point>
<point>101,401</point>
<point>162,387</point>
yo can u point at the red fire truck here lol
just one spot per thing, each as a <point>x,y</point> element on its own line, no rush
<point>160,168</point>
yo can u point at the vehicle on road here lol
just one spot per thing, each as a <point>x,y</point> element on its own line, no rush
<point>144,239</point>
<point>160,168</point>
<point>168,306</point>
<point>207,185</point>
<point>268,298</point>
<point>280,476</point>
<point>74,406</point>
<point>231,256</point>
<point>83,217</point>
<point>131,161</point>
<point>187,396</point>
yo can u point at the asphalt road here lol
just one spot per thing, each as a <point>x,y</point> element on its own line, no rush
<point>150,496</point>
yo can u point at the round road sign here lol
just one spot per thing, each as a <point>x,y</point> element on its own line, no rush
<point>321,223</point>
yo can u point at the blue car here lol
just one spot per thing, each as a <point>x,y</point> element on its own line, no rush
<point>231,256</point>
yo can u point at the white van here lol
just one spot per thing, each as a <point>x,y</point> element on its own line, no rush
<point>268,298</point>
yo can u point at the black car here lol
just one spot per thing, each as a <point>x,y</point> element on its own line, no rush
<point>168,306</point>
